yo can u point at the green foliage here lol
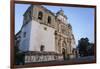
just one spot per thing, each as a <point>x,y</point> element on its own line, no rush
<point>84,49</point>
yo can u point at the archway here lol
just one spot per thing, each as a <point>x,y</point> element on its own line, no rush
<point>63,52</point>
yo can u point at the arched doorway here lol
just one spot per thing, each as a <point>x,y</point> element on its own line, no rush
<point>64,49</point>
<point>63,52</point>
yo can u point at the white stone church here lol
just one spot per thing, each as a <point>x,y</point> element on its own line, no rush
<point>45,36</point>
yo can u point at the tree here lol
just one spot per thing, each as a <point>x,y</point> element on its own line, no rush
<point>83,45</point>
<point>91,49</point>
<point>18,55</point>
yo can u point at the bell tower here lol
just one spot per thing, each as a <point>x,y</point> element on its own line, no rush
<point>60,15</point>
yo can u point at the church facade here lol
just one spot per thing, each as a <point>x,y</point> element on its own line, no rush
<point>45,36</point>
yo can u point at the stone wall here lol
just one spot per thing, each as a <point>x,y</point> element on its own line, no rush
<point>31,57</point>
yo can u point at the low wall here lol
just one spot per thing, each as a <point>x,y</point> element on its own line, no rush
<point>42,57</point>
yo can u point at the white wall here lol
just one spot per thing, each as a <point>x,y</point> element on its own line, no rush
<point>48,38</point>
<point>35,36</point>
<point>24,44</point>
<point>39,37</point>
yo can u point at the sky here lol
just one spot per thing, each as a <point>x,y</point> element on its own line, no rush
<point>81,19</point>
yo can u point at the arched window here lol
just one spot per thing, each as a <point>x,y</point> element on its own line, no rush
<point>49,19</point>
<point>42,48</point>
<point>40,15</point>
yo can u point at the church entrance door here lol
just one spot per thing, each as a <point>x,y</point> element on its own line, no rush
<point>63,52</point>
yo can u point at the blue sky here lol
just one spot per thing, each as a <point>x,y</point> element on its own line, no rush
<point>81,19</point>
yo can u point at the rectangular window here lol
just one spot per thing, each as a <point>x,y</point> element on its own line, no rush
<point>42,48</point>
<point>24,34</point>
